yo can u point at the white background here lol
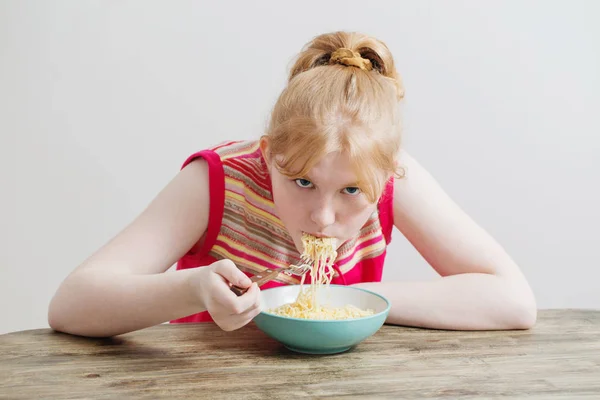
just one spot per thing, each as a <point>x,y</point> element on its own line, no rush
<point>101,102</point>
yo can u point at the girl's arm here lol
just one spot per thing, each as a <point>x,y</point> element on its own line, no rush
<point>123,287</point>
<point>480,286</point>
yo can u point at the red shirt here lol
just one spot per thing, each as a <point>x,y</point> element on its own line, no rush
<point>243,226</point>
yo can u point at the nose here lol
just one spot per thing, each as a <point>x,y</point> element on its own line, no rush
<point>323,215</point>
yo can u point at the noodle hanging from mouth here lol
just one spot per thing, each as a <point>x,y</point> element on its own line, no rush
<point>322,253</point>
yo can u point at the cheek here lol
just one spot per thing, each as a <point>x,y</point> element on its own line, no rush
<point>284,203</point>
<point>356,215</point>
<point>287,206</point>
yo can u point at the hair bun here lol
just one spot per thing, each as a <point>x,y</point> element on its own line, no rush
<point>350,58</point>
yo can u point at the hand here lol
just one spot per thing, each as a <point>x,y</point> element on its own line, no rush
<point>229,311</point>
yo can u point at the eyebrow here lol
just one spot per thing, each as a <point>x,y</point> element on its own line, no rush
<point>351,184</point>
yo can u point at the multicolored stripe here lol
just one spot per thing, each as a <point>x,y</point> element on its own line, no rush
<point>252,235</point>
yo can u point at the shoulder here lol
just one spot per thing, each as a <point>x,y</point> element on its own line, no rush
<point>237,149</point>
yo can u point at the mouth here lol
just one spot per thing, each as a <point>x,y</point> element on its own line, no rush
<point>318,235</point>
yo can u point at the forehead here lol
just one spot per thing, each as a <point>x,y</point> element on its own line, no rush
<point>335,168</point>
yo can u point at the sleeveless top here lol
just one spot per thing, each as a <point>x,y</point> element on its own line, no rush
<point>243,225</point>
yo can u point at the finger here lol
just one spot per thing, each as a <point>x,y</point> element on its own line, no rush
<point>247,301</point>
<point>228,270</point>
<point>233,305</point>
<point>256,303</point>
<point>239,321</point>
<point>255,310</point>
<point>249,315</point>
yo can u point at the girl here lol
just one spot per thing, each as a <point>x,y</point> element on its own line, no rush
<point>330,164</point>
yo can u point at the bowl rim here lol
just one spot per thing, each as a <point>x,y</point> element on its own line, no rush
<point>376,315</point>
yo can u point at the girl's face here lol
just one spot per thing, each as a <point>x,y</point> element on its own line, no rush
<point>324,203</point>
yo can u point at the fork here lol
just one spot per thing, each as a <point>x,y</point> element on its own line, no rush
<point>270,274</point>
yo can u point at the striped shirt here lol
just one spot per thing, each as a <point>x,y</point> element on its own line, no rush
<point>243,225</point>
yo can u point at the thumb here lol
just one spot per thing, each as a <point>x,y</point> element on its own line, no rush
<point>228,270</point>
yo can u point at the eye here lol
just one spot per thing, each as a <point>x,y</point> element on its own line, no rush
<point>303,183</point>
<point>352,191</point>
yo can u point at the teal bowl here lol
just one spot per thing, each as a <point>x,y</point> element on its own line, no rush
<point>322,336</point>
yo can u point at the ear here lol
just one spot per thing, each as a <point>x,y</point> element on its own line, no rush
<point>264,149</point>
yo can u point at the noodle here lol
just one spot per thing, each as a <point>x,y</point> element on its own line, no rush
<point>323,254</point>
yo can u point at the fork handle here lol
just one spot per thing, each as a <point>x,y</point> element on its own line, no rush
<point>260,278</point>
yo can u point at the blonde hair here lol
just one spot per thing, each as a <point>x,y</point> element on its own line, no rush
<point>342,95</point>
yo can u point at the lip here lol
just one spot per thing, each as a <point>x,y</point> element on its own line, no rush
<point>319,235</point>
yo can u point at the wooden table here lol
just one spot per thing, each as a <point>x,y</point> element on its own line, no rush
<point>558,358</point>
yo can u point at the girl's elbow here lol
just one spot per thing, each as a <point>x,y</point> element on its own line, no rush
<point>55,317</point>
<point>525,317</point>
<point>524,310</point>
<point>59,318</point>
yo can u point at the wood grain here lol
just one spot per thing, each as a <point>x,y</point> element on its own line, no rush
<point>558,358</point>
